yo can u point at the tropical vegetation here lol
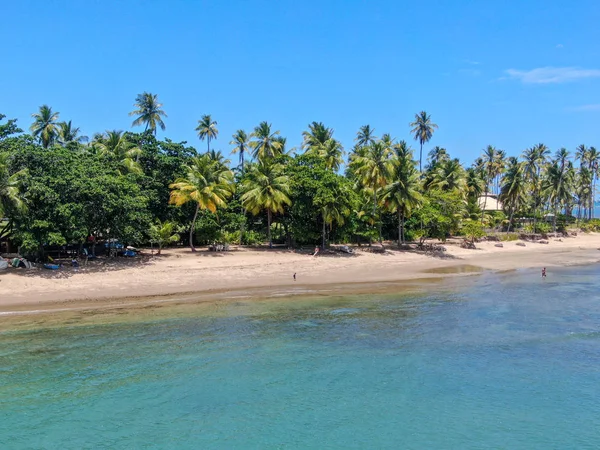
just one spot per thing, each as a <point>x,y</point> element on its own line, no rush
<point>57,187</point>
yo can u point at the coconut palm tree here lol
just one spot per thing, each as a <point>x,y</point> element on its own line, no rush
<point>373,171</point>
<point>208,183</point>
<point>331,151</point>
<point>555,188</point>
<point>266,187</point>
<point>365,136</point>
<point>44,126</point>
<point>266,144</point>
<point>148,112</point>
<point>449,176</point>
<point>207,129</point>
<point>474,184</point>
<point>241,142</point>
<point>10,192</point>
<point>513,191</point>
<point>489,169</point>
<point>436,156</point>
<point>163,233</point>
<point>594,166</point>
<point>116,145</point>
<point>316,135</point>
<point>401,194</point>
<point>535,159</point>
<point>68,134</point>
<point>422,130</point>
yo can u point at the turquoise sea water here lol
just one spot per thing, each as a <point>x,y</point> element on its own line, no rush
<point>495,361</point>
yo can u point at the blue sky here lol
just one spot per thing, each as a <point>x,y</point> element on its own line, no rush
<point>506,73</point>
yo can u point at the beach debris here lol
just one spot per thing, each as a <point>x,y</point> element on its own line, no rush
<point>3,264</point>
<point>499,245</point>
<point>468,244</point>
<point>543,242</point>
<point>521,244</point>
<point>345,249</point>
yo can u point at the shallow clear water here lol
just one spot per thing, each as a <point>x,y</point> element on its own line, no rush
<point>501,361</point>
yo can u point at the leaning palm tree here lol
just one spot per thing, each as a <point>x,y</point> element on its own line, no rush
<point>241,142</point>
<point>373,171</point>
<point>148,112</point>
<point>208,183</point>
<point>266,187</point>
<point>207,129</point>
<point>402,194</point>
<point>594,166</point>
<point>68,134</point>
<point>44,126</point>
<point>266,144</point>
<point>422,130</point>
<point>365,136</point>
<point>116,145</point>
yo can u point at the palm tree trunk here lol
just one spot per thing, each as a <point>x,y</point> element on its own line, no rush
<point>193,228</point>
<point>512,213</point>
<point>269,228</point>
<point>400,240</point>
<point>484,203</point>
<point>208,144</point>
<point>421,158</point>
<point>323,244</point>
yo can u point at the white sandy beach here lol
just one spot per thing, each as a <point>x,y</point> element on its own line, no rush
<point>180,271</point>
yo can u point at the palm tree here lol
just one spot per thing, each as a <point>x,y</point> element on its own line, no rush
<point>535,159</point>
<point>148,112</point>
<point>316,135</point>
<point>555,188</point>
<point>402,194</point>
<point>436,156</point>
<point>423,130</point>
<point>208,182</point>
<point>514,187</point>
<point>331,151</point>
<point>365,136</point>
<point>489,166</point>
<point>373,171</point>
<point>116,145</point>
<point>474,184</point>
<point>163,233</point>
<point>10,193</point>
<point>44,125</point>
<point>68,134</point>
<point>207,129</point>
<point>240,140</point>
<point>266,144</point>
<point>594,166</point>
<point>449,176</point>
<point>266,187</point>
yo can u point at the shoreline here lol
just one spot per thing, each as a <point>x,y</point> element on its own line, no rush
<point>182,277</point>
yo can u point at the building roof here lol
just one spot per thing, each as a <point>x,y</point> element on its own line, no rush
<point>490,203</point>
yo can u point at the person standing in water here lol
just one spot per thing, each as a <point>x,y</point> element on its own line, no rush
<point>294,276</point>
<point>544,272</point>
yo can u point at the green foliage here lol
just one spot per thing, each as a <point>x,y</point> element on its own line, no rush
<point>472,230</point>
<point>164,233</point>
<point>440,215</point>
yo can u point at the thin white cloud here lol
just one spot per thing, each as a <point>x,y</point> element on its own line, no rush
<point>473,63</point>
<point>545,75</point>
<point>559,46</point>
<point>591,107</point>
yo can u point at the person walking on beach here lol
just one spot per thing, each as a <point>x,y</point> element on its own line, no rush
<point>544,272</point>
<point>294,276</point>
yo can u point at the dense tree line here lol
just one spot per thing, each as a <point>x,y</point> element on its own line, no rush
<point>58,187</point>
